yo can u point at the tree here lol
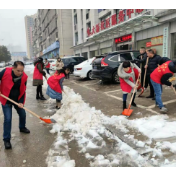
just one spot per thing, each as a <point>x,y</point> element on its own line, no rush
<point>4,54</point>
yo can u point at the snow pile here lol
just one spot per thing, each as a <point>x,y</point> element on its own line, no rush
<point>155,126</point>
<point>85,125</point>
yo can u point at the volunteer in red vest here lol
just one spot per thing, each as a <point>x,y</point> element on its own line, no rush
<point>160,76</point>
<point>55,85</point>
<point>38,77</point>
<point>13,85</point>
<point>128,74</point>
<point>47,66</point>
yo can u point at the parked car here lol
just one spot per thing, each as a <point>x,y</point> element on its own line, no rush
<point>52,64</point>
<point>2,64</point>
<point>84,69</point>
<point>28,63</point>
<point>106,68</point>
<point>71,61</point>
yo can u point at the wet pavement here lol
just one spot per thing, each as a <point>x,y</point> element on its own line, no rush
<point>106,97</point>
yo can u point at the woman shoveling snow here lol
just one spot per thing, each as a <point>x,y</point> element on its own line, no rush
<point>55,87</point>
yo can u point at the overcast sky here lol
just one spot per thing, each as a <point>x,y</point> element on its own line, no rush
<point>12,27</point>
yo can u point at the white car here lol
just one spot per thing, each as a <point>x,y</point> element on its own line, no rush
<point>84,69</point>
<point>2,64</point>
<point>52,64</point>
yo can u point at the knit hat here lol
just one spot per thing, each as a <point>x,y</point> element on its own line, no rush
<point>40,59</point>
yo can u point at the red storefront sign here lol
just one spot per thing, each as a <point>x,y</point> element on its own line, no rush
<point>148,44</point>
<point>111,21</point>
<point>123,39</point>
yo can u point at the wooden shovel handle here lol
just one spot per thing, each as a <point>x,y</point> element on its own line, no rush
<point>134,91</point>
<point>18,105</point>
<point>145,72</point>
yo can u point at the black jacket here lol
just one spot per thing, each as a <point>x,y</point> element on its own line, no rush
<point>142,60</point>
<point>163,60</point>
<point>165,77</point>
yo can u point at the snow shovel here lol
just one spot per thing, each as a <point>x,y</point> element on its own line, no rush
<point>45,120</point>
<point>128,112</point>
<point>144,79</point>
<point>140,86</point>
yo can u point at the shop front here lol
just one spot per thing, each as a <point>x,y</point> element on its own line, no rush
<point>52,51</point>
<point>152,43</point>
<point>123,42</point>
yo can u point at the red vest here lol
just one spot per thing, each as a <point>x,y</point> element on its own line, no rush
<point>48,65</point>
<point>37,74</point>
<point>126,87</point>
<point>7,84</point>
<point>53,82</point>
<point>160,71</point>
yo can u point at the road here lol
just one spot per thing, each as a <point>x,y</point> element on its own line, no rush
<point>34,147</point>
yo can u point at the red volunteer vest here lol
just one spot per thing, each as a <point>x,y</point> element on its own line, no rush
<point>160,71</point>
<point>126,87</point>
<point>7,84</point>
<point>48,65</point>
<point>37,74</point>
<point>53,82</point>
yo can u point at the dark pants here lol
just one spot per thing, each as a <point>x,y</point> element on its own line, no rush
<point>7,110</point>
<point>142,78</point>
<point>39,91</point>
<point>67,76</point>
<point>151,86</point>
<point>47,70</point>
<point>125,97</point>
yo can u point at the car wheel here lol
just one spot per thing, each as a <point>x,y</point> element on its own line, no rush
<point>89,75</point>
<point>115,78</point>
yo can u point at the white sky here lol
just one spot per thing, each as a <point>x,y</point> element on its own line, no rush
<point>12,26</point>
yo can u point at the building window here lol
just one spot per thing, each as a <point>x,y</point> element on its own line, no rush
<point>75,19</point>
<point>56,34</point>
<point>74,10</point>
<point>76,38</point>
<point>89,25</point>
<point>82,32</point>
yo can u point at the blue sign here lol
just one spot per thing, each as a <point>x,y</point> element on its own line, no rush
<point>51,47</point>
<point>17,54</point>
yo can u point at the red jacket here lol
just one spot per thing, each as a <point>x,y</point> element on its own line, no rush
<point>7,84</point>
<point>53,82</point>
<point>160,71</point>
<point>126,87</point>
<point>48,65</point>
<point>37,74</point>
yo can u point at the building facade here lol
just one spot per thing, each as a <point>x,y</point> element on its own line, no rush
<point>52,33</point>
<point>98,31</point>
<point>29,23</point>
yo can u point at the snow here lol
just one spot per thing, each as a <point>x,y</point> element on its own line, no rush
<point>85,125</point>
<point>29,68</point>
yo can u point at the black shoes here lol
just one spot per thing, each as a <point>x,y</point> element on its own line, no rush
<point>24,130</point>
<point>37,97</point>
<point>42,98</point>
<point>7,145</point>
<point>133,104</point>
<point>57,107</point>
<point>150,96</point>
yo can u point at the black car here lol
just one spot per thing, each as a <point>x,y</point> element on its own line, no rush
<point>71,61</point>
<point>106,68</point>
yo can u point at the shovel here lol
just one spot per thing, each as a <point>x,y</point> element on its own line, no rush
<point>128,112</point>
<point>144,79</point>
<point>45,120</point>
<point>140,86</point>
